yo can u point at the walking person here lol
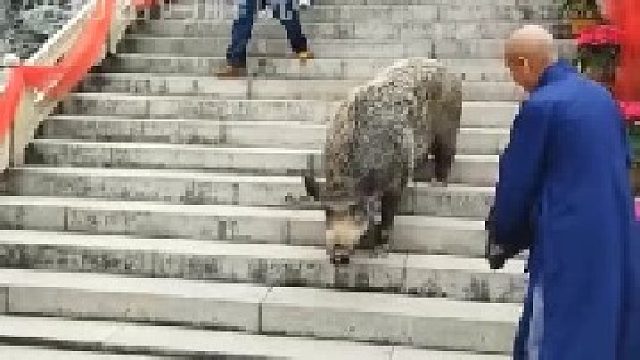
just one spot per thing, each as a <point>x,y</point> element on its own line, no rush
<point>283,10</point>
<point>564,194</point>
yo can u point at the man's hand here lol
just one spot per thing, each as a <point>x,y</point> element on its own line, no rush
<point>495,253</point>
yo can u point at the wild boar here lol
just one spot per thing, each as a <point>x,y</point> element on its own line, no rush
<point>379,139</point>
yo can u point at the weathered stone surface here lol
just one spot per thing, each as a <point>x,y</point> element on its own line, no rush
<point>26,25</point>
<point>392,318</point>
<point>182,187</point>
<point>329,48</point>
<point>347,29</point>
<point>272,264</point>
<point>34,352</point>
<point>265,89</point>
<point>4,296</point>
<point>432,235</point>
<point>190,343</point>
<point>463,279</point>
<point>222,305</point>
<point>281,68</point>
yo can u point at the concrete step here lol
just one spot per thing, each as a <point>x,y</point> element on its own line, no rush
<point>346,30</point>
<point>322,48</point>
<point>474,113</point>
<point>242,224</point>
<point>391,13</point>
<point>291,134</point>
<point>271,47</point>
<point>279,68</point>
<point>17,352</point>
<point>400,3</point>
<point>163,106</point>
<point>190,188</point>
<point>63,152</point>
<point>468,169</point>
<point>109,336</point>
<point>288,134</point>
<point>320,313</point>
<point>20,352</point>
<point>458,278</point>
<point>214,88</point>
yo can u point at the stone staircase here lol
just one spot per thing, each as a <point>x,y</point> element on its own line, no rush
<point>150,219</point>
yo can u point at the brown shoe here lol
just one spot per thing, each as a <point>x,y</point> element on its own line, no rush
<point>230,72</point>
<point>303,56</point>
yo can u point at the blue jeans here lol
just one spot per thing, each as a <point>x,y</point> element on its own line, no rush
<point>241,31</point>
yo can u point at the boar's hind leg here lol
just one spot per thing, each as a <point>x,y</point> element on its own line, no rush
<point>312,187</point>
<point>446,129</point>
<point>444,153</point>
<point>390,207</point>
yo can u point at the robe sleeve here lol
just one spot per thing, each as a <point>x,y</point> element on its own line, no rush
<point>520,173</point>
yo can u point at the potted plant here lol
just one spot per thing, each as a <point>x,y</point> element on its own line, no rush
<point>631,112</point>
<point>598,50</point>
<point>581,14</point>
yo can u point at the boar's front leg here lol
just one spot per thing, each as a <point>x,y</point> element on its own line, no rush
<point>390,207</point>
<point>376,237</point>
<point>339,255</point>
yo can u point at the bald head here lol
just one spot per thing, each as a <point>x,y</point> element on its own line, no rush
<point>531,41</point>
<point>528,52</point>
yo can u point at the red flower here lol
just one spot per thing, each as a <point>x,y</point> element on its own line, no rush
<point>630,110</point>
<point>599,35</point>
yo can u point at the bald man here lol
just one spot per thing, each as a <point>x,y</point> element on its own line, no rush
<point>564,194</point>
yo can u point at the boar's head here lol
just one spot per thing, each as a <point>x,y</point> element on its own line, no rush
<point>346,222</point>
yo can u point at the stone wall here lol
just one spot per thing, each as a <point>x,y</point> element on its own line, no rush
<point>27,24</point>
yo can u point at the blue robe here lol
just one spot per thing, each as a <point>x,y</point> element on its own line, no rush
<point>564,179</point>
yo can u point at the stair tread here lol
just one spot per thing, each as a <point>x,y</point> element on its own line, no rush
<point>190,341</point>
<point>228,83</point>
<point>295,298</point>
<point>117,95</point>
<point>262,251</point>
<point>223,210</point>
<point>248,123</point>
<point>218,177</point>
<point>16,352</point>
<point>223,148</point>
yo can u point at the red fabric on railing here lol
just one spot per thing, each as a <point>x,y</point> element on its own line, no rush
<point>85,52</point>
<point>55,81</point>
<point>21,77</point>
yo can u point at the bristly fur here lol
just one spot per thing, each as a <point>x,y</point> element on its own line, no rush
<point>411,109</point>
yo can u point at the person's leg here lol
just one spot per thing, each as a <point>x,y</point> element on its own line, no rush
<point>241,33</point>
<point>290,19</point>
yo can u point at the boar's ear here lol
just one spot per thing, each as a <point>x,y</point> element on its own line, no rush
<point>312,187</point>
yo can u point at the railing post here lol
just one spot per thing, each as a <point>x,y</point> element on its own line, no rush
<point>7,157</point>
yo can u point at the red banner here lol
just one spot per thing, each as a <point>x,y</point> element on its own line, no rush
<point>55,81</point>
